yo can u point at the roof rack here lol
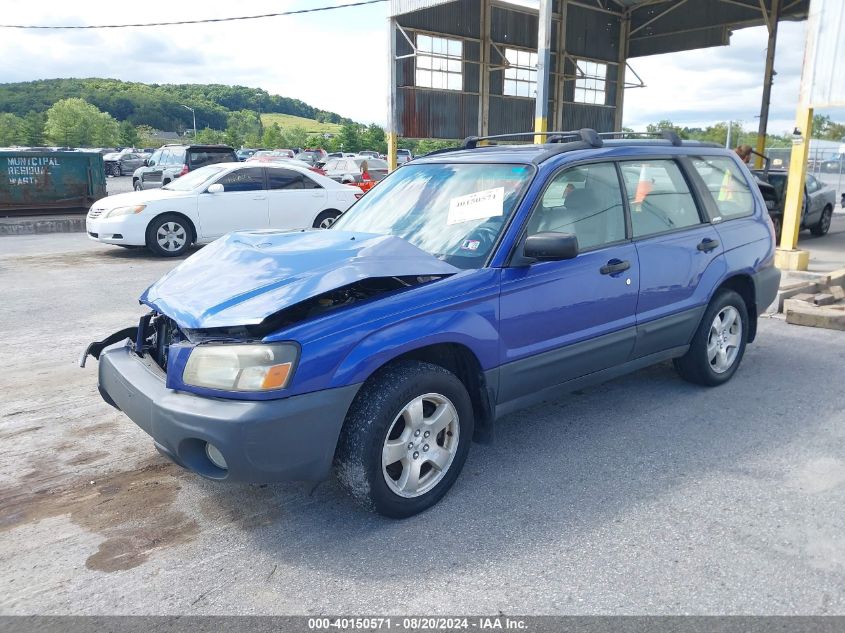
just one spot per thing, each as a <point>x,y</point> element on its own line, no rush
<point>588,135</point>
<point>669,135</point>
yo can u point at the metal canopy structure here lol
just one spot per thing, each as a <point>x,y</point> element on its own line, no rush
<point>469,67</point>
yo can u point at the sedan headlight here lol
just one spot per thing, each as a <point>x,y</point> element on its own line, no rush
<point>124,210</point>
<point>241,367</point>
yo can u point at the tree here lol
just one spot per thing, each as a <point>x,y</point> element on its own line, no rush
<point>242,126</point>
<point>273,137</point>
<point>296,136</point>
<point>129,135</point>
<point>32,132</point>
<point>145,136</point>
<point>427,145</point>
<point>11,129</point>
<point>210,137</point>
<point>373,138</point>
<point>76,123</point>
<point>349,137</point>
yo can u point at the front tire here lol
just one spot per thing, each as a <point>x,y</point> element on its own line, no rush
<point>823,225</point>
<point>136,185</point>
<point>326,219</point>
<point>405,439</point>
<point>719,342</point>
<point>169,235</point>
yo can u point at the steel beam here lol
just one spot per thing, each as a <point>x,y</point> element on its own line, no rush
<point>621,67</point>
<point>484,71</point>
<point>392,123</point>
<point>544,43</point>
<point>768,76</point>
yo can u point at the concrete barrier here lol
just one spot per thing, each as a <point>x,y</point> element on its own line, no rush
<point>47,224</point>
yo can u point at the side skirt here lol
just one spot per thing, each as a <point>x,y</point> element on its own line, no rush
<point>557,391</point>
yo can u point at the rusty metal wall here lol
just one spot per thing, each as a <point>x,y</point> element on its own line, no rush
<point>459,18</point>
<point>50,180</point>
<point>451,114</point>
<point>593,34</point>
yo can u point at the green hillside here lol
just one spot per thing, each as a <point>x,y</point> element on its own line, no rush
<point>286,121</point>
<point>158,105</point>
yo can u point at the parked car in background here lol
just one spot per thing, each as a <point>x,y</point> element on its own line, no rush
<point>246,153</point>
<point>348,170</point>
<point>169,162</point>
<point>404,156</point>
<point>120,163</point>
<point>216,199</point>
<point>466,286</point>
<point>819,200</point>
<point>339,155</point>
<point>272,155</point>
<point>833,165</point>
<point>284,159</point>
<point>368,153</point>
<point>312,156</point>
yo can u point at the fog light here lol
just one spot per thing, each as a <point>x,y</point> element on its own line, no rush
<point>215,456</point>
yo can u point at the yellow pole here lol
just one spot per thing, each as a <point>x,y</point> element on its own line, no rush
<point>392,146</point>
<point>787,256</point>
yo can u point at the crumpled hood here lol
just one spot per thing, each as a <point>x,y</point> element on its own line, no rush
<point>242,278</point>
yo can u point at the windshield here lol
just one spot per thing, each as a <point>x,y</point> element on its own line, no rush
<point>194,179</point>
<point>453,211</point>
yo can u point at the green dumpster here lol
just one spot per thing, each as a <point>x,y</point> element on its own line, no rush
<point>50,180</point>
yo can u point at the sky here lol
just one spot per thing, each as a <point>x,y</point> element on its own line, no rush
<point>336,60</point>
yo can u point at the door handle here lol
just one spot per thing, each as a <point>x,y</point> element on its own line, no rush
<point>317,194</point>
<point>614,266</point>
<point>707,244</point>
<point>260,198</point>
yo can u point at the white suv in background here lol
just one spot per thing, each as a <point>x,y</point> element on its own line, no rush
<point>207,203</point>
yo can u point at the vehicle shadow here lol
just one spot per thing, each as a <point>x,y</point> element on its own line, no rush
<point>555,471</point>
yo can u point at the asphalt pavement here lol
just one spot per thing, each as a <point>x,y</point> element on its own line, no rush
<point>647,495</point>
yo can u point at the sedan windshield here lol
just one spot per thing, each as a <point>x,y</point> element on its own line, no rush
<point>195,179</point>
<point>456,212</point>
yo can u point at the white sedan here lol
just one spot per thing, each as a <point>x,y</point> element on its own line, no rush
<point>211,201</point>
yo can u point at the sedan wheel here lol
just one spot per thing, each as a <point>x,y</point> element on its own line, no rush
<point>420,445</point>
<point>137,186</point>
<point>823,225</point>
<point>169,236</point>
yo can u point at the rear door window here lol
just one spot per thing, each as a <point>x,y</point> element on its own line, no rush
<point>658,196</point>
<point>289,179</point>
<point>727,184</point>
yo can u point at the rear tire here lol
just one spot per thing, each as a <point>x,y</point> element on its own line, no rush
<point>326,219</point>
<point>136,185</point>
<point>719,342</point>
<point>169,235</point>
<point>823,225</point>
<point>405,439</point>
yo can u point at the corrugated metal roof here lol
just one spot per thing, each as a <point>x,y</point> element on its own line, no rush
<point>398,7</point>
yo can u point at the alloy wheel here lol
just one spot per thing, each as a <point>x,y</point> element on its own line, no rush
<point>724,339</point>
<point>420,445</point>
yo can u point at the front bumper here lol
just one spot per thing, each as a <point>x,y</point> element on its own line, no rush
<point>262,441</point>
<point>130,230</point>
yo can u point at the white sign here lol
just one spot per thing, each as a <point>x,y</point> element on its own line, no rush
<point>822,84</point>
<point>477,206</point>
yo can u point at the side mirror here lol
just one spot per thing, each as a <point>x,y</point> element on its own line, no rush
<point>215,188</point>
<point>146,163</point>
<point>551,246</point>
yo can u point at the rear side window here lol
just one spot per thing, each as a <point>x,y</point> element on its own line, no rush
<point>727,184</point>
<point>200,158</point>
<point>658,196</point>
<point>177,157</point>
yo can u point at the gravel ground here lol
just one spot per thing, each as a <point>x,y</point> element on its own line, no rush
<point>118,184</point>
<point>643,496</point>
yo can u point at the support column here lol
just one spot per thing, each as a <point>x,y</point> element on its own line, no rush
<point>392,125</point>
<point>787,256</point>
<point>544,43</point>
<point>772,24</point>
<point>624,34</point>
<point>560,82</point>
<point>484,72</point>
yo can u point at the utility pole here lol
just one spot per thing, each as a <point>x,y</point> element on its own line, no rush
<point>194,115</point>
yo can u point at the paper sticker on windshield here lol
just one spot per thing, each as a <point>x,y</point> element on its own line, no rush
<point>476,206</point>
<point>470,245</point>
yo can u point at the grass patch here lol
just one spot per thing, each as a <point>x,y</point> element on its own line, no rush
<point>287,121</point>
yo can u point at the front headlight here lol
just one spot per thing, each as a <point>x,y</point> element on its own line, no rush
<point>125,211</point>
<point>241,367</point>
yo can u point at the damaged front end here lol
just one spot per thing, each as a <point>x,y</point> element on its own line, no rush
<point>152,336</point>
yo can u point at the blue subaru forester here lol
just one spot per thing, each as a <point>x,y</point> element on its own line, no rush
<point>467,285</point>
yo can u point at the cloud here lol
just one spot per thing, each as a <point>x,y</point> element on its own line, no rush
<point>337,60</point>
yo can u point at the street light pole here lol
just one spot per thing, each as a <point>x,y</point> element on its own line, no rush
<point>194,115</point>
